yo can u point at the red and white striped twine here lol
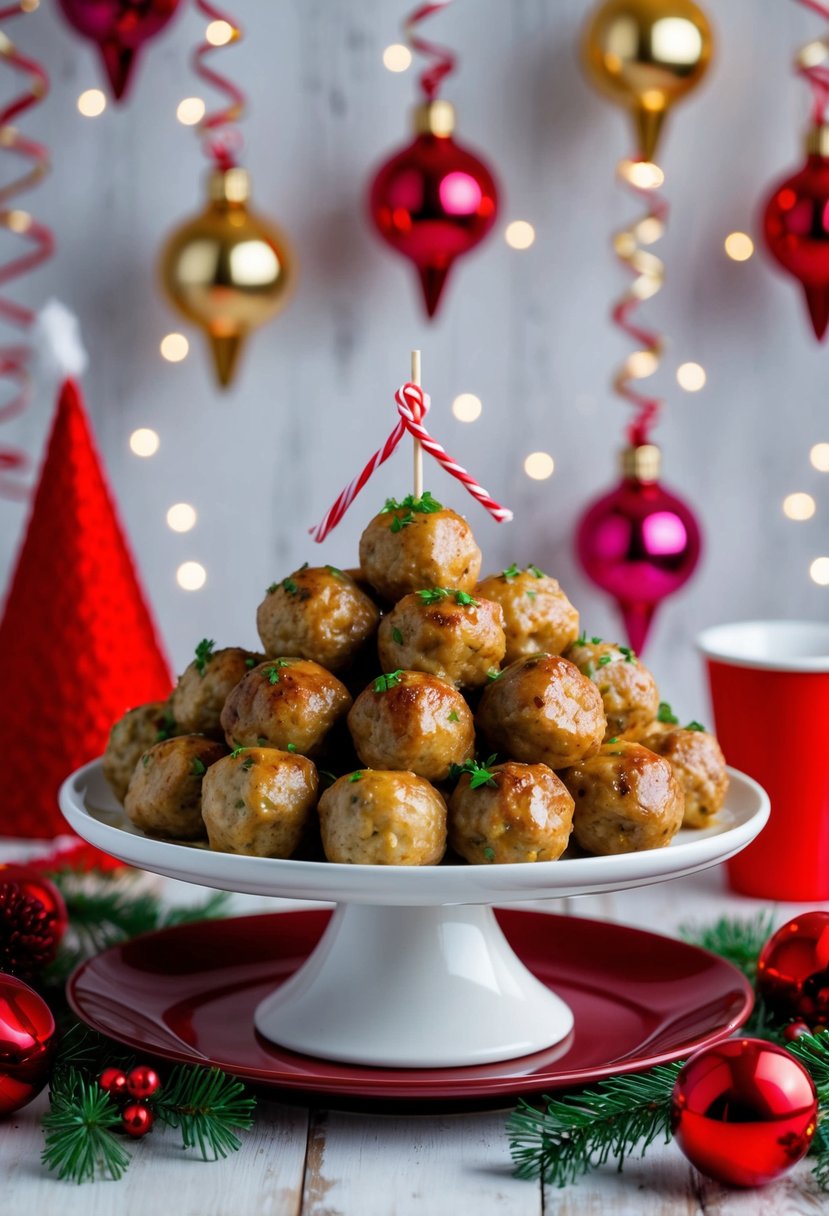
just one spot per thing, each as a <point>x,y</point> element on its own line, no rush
<point>412,406</point>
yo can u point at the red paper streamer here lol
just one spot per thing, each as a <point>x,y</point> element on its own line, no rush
<point>223,141</point>
<point>444,59</point>
<point>817,75</point>
<point>14,360</point>
<point>412,406</point>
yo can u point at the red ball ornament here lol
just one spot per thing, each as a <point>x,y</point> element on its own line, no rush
<point>38,886</point>
<point>793,970</point>
<point>114,1081</point>
<point>137,1119</point>
<point>27,1041</point>
<point>143,1081</point>
<point>639,543</point>
<point>119,28</point>
<point>796,226</point>
<point>434,201</point>
<point>744,1111</point>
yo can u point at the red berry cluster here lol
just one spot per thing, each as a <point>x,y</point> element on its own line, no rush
<point>133,1088</point>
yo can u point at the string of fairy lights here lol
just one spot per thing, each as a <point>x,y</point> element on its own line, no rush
<point>519,234</point>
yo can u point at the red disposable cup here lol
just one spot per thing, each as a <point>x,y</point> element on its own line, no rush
<point>770,692</point>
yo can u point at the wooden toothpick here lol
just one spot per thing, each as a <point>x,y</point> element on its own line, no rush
<point>418,450</point>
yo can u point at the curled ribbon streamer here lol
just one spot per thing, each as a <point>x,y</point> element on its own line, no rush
<point>433,76</point>
<point>412,406</point>
<point>648,272</point>
<point>811,63</point>
<point>222,141</point>
<point>14,360</point>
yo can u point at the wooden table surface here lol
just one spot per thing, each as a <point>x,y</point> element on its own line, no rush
<point>323,1162</point>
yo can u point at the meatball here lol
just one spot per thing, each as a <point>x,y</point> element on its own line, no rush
<point>445,632</point>
<point>523,812</point>
<point>629,693</point>
<point>164,795</point>
<point>627,799</point>
<point>130,737</point>
<point>202,690</point>
<point>317,613</point>
<point>544,711</point>
<point>289,704</point>
<point>412,720</point>
<point>698,765</point>
<point>537,614</point>
<point>415,544</point>
<point>384,819</point>
<point>258,801</point>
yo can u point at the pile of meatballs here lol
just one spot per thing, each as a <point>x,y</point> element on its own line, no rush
<point>409,713</point>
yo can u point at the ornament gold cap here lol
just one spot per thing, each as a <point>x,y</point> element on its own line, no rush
<point>229,185</point>
<point>817,140</point>
<point>436,117</point>
<point>642,462</point>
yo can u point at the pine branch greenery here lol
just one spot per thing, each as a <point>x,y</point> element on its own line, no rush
<point>208,1107</point>
<point>738,940</point>
<point>79,1140</point>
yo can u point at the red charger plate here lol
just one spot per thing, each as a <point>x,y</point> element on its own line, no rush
<point>188,994</point>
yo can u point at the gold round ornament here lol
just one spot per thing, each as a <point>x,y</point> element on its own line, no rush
<point>229,270</point>
<point>646,55</point>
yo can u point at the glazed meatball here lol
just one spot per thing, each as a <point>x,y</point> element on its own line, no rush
<point>130,737</point>
<point>627,799</point>
<point>445,632</point>
<point>258,801</point>
<point>317,613</point>
<point>289,704</point>
<point>698,765</point>
<point>383,819</point>
<point>412,720</point>
<point>404,548</point>
<point>164,795</point>
<point>542,710</point>
<point>202,690</point>
<point>629,693</point>
<point>523,813</point>
<point>538,617</point>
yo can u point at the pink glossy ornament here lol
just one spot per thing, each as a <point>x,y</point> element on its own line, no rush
<point>744,1111</point>
<point>793,970</point>
<point>434,201</point>
<point>639,543</point>
<point>27,1044</point>
<point>119,28</point>
<point>796,226</point>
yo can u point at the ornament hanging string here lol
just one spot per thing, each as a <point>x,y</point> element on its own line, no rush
<point>811,63</point>
<point>14,360</point>
<point>443,59</point>
<point>412,406</point>
<point>222,139</point>
<point>642,178</point>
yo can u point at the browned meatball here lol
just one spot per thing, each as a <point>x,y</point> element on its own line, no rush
<point>199,697</point>
<point>130,737</point>
<point>544,711</point>
<point>627,799</point>
<point>258,801</point>
<point>538,617</point>
<point>414,721</point>
<point>445,632</point>
<point>317,613</point>
<point>164,795</point>
<point>404,548</point>
<point>629,693</point>
<point>523,812</point>
<point>383,819</point>
<point>698,765</point>
<point>289,704</point>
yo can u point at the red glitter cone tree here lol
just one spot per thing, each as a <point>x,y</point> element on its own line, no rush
<point>77,643</point>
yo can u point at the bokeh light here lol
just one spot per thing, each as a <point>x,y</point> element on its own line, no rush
<point>467,407</point>
<point>819,571</point>
<point>819,457</point>
<point>691,377</point>
<point>798,506</point>
<point>191,576</point>
<point>739,246</point>
<point>539,466</point>
<point>174,347</point>
<point>92,102</point>
<point>397,57</point>
<point>190,110</point>
<point>144,442</point>
<point>519,234</point>
<point>181,517</point>
<point>219,33</point>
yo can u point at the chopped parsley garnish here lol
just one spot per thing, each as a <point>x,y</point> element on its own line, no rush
<point>291,747</point>
<point>465,599</point>
<point>397,636</point>
<point>590,671</point>
<point>239,804</point>
<point>290,586</point>
<point>605,659</point>
<point>204,653</point>
<point>168,727</point>
<point>494,674</point>
<point>390,680</point>
<point>453,717</point>
<point>615,739</point>
<point>489,854</point>
<point>401,521</point>
<point>270,590</point>
<point>510,572</point>
<point>198,767</point>
<point>479,774</point>
<point>695,726</point>
<point>237,751</point>
<point>425,505</point>
<point>261,741</point>
<point>535,570</point>
<point>145,759</point>
<point>532,594</point>
<point>666,714</point>
<point>250,662</point>
<point>356,776</point>
<point>272,670</point>
<point>247,763</point>
<point>630,657</point>
<point>337,573</point>
<point>433,595</point>
<point>304,566</point>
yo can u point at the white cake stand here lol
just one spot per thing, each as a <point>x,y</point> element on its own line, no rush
<point>413,970</point>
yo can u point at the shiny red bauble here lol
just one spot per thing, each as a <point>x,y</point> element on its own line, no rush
<point>796,229</point>
<point>27,1041</point>
<point>137,1120</point>
<point>793,970</point>
<point>114,1081</point>
<point>38,886</point>
<point>434,201</point>
<point>142,1081</point>
<point>744,1111</point>
<point>119,28</point>
<point>639,543</point>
